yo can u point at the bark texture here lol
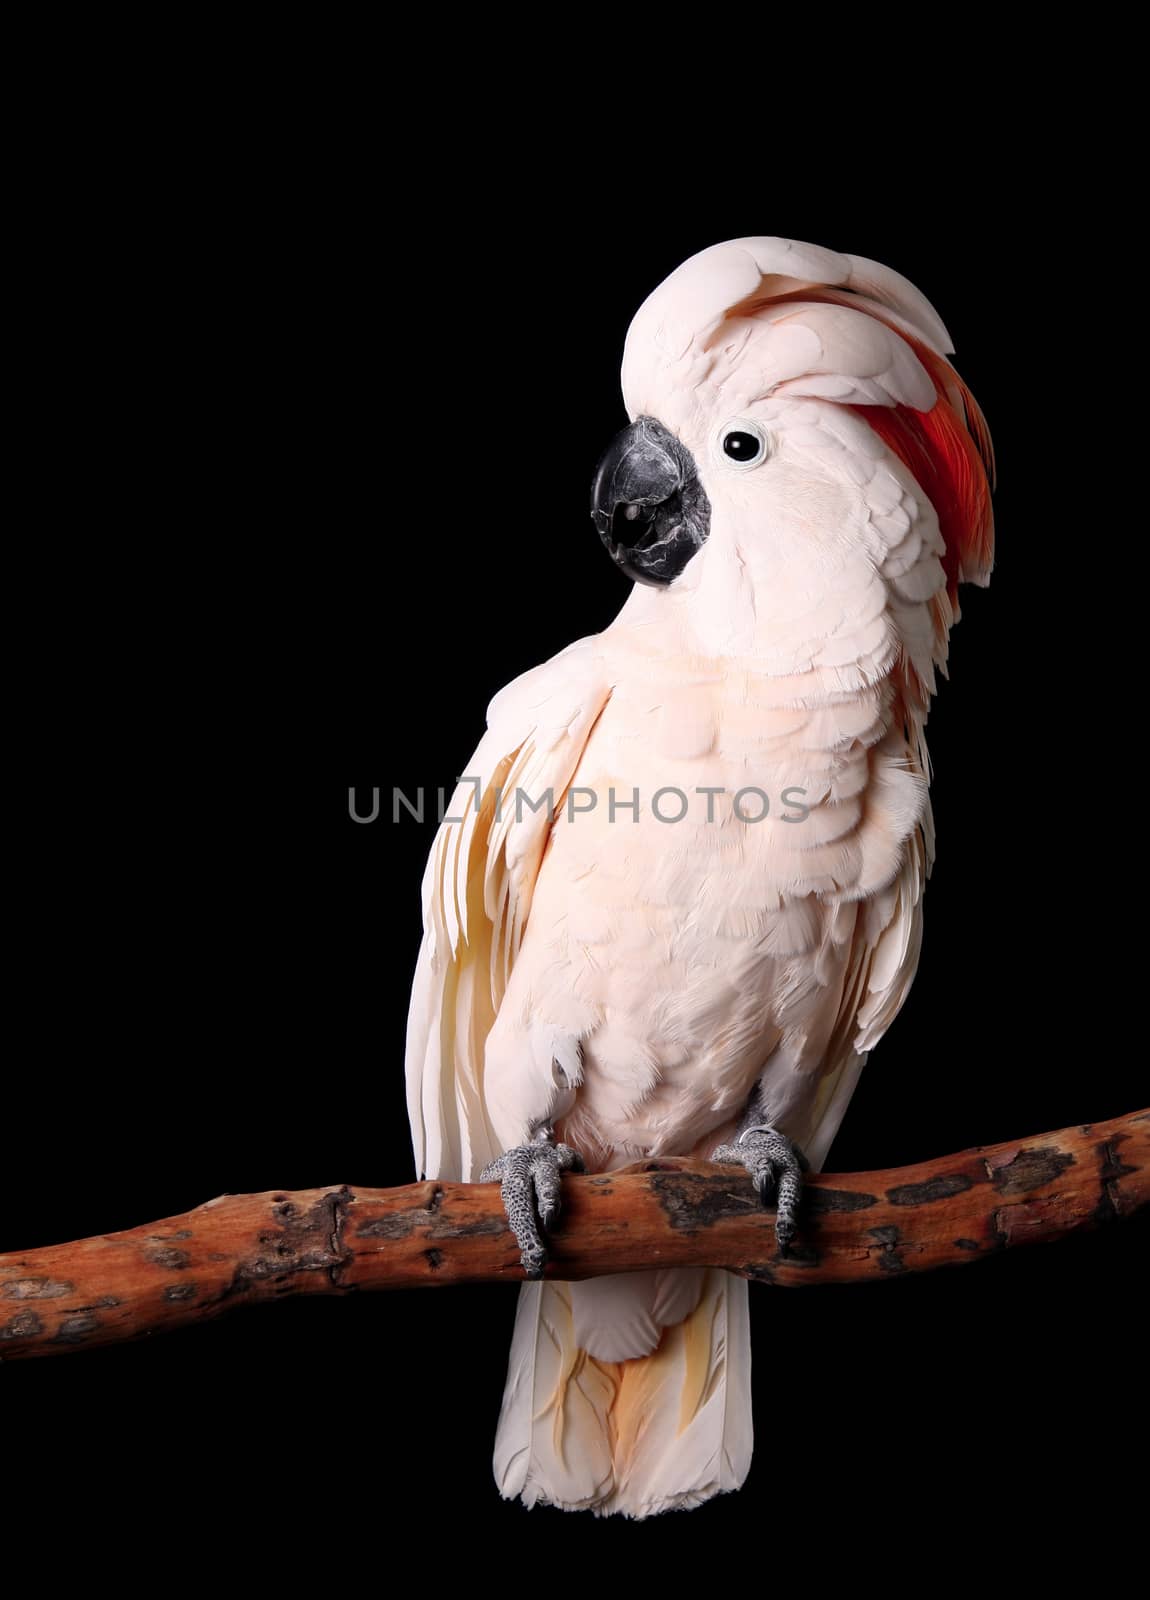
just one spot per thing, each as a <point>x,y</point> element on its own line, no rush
<point>852,1227</point>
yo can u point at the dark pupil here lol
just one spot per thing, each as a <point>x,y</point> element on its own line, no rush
<point>741,446</point>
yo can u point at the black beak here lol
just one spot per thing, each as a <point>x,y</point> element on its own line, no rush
<point>648,504</point>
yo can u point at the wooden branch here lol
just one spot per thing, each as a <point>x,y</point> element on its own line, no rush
<point>853,1227</point>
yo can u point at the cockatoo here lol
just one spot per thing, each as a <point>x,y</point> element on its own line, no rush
<point>677,898</point>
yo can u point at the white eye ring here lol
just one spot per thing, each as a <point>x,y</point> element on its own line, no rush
<point>741,444</point>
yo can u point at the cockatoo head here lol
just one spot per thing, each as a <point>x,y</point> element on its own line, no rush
<point>796,429</point>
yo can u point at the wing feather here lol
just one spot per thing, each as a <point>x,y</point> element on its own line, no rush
<point>477,891</point>
<point>881,967</point>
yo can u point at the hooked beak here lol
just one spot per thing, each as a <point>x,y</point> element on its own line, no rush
<point>648,504</point>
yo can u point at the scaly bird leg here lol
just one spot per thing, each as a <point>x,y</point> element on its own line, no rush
<point>776,1164</point>
<point>531,1176</point>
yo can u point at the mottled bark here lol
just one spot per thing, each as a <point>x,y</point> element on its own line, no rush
<point>853,1227</point>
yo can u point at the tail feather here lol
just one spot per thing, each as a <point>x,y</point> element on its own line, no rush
<point>637,1436</point>
<point>552,1443</point>
<point>683,1429</point>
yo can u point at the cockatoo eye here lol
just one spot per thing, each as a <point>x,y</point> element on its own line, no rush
<point>741,447</point>
<point>743,444</point>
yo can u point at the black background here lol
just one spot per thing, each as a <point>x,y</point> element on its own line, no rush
<point>358,398</point>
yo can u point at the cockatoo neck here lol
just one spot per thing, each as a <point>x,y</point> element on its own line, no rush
<point>717,596</point>
<point>780,606</point>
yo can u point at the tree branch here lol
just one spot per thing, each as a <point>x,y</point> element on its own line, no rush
<point>853,1227</point>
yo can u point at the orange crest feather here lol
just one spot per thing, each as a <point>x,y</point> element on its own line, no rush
<point>948,452</point>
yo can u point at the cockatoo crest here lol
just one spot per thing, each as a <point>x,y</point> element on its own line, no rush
<point>758,318</point>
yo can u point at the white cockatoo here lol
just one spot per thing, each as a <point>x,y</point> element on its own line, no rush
<point>678,894</point>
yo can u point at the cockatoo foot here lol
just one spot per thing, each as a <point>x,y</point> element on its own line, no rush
<point>776,1165</point>
<point>531,1176</point>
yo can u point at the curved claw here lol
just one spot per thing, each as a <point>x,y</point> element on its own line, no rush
<point>530,1176</point>
<point>548,1191</point>
<point>776,1164</point>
